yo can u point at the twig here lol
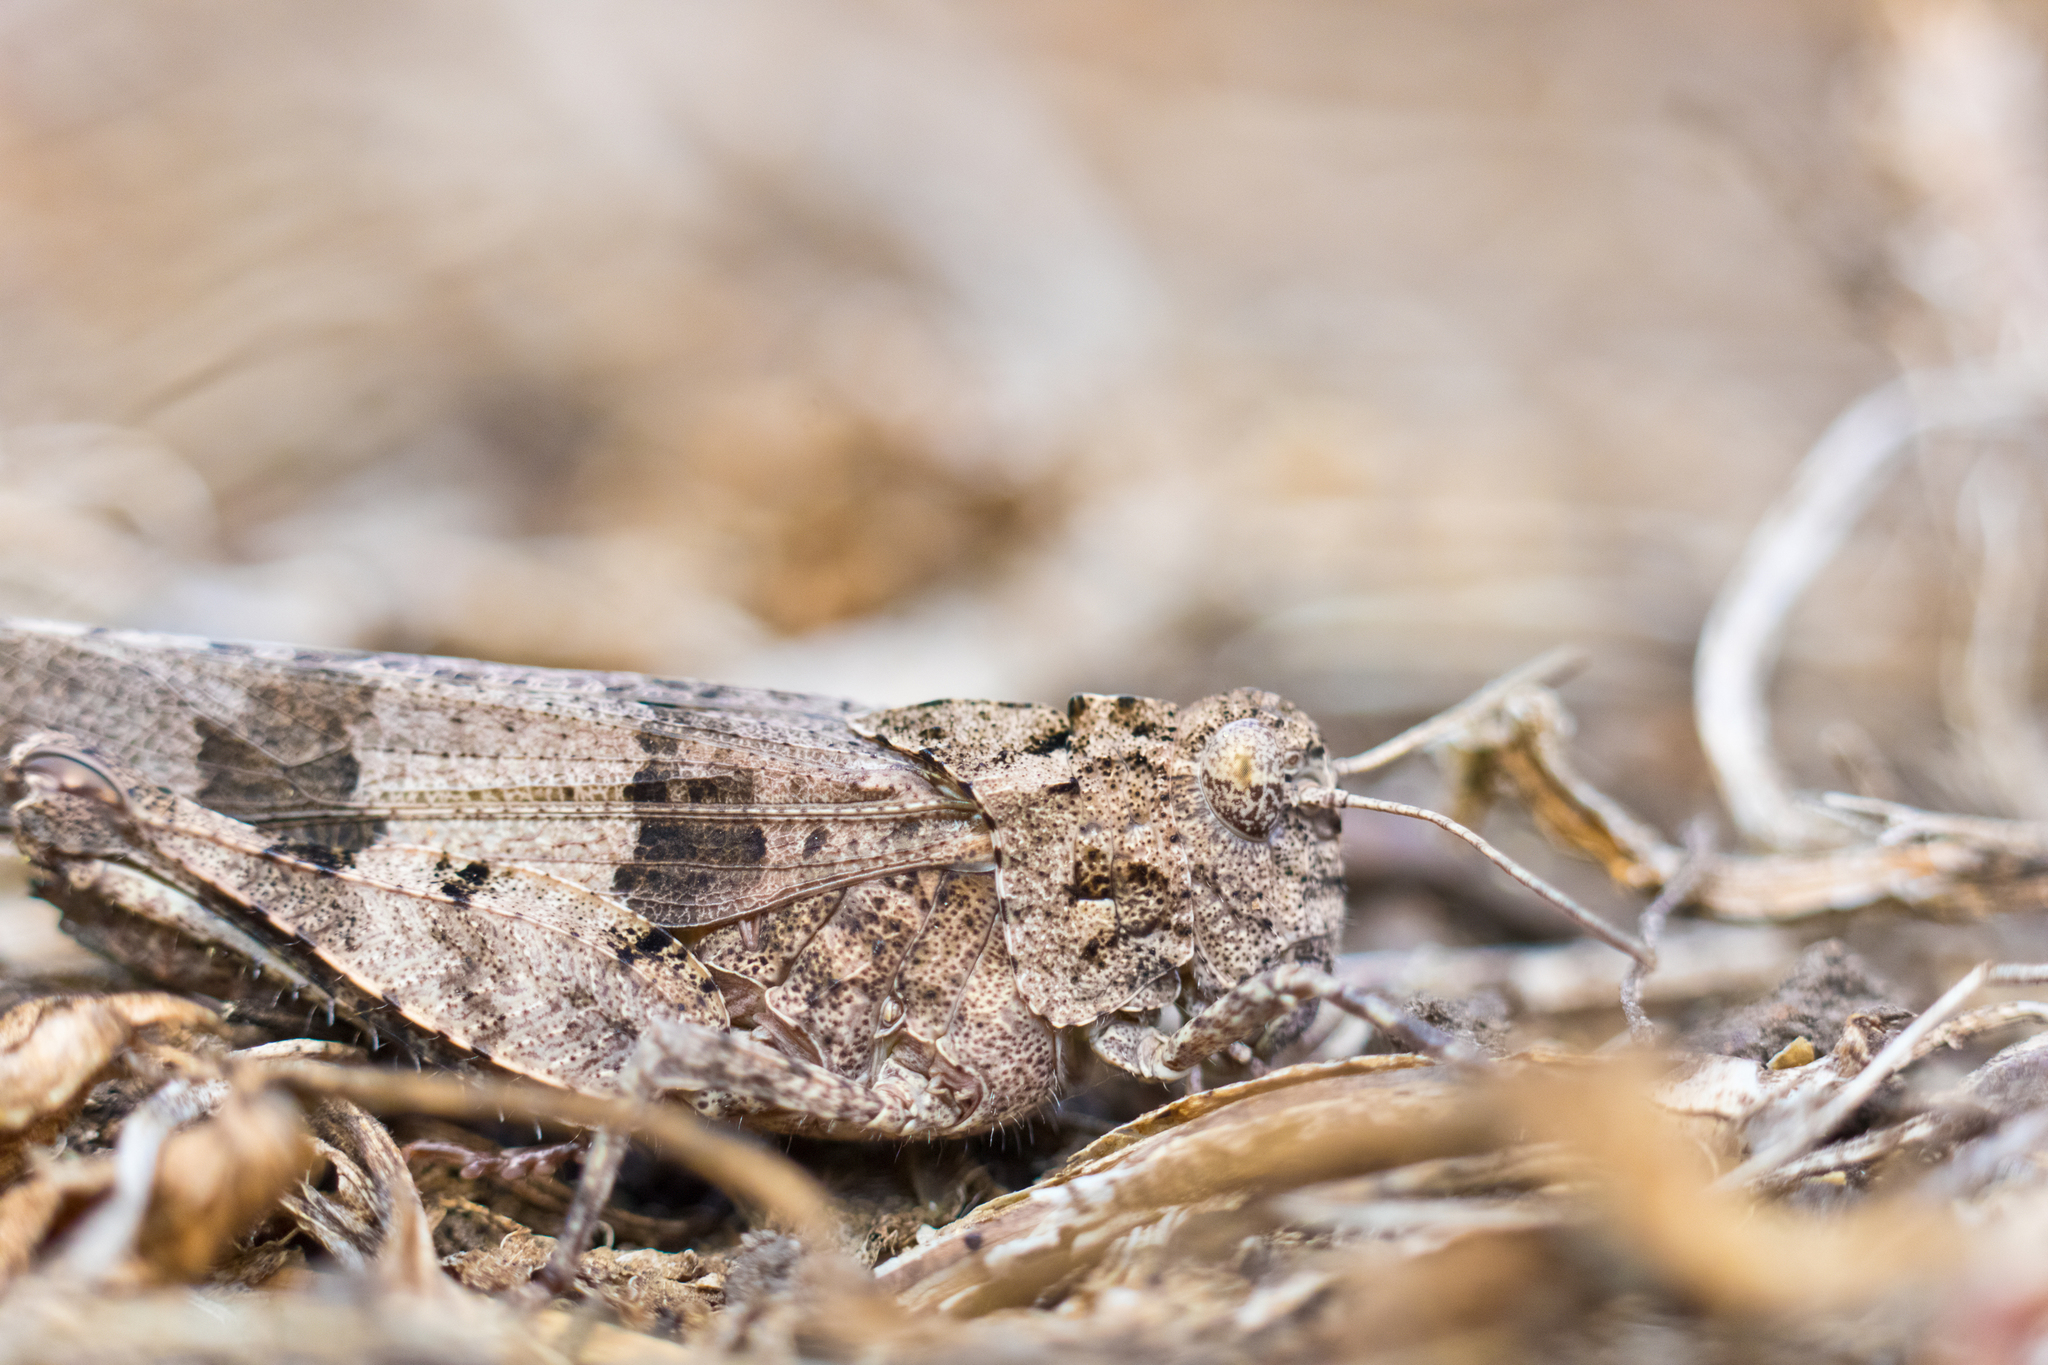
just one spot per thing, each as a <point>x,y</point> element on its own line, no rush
<point>1987,691</point>
<point>2025,837</point>
<point>1868,1147</point>
<point>1964,1027</point>
<point>1542,669</point>
<point>1699,856</point>
<point>743,1169</point>
<point>2017,974</point>
<point>1963,864</point>
<point>1740,642</point>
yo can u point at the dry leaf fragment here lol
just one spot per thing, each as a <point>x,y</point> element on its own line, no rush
<point>649,1290</point>
<point>30,1210</point>
<point>373,1217</point>
<point>657,1289</point>
<point>1937,864</point>
<point>170,1198</point>
<point>54,1049</point>
<point>217,1179</point>
<point>516,1259</point>
<point>1208,1153</point>
<point>1796,1053</point>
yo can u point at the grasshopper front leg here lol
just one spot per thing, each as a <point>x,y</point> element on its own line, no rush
<point>1240,1013</point>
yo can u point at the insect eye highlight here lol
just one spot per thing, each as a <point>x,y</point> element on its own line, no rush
<point>50,773</point>
<point>1244,777</point>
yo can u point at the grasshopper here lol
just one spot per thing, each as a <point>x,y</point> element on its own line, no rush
<point>780,907</point>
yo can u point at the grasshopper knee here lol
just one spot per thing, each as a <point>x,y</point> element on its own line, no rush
<point>1135,1047</point>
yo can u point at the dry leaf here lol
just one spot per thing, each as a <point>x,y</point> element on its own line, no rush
<point>55,1048</point>
<point>1215,1150</point>
<point>373,1214</point>
<point>217,1179</point>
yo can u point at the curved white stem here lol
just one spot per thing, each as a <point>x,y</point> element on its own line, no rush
<point>1744,631</point>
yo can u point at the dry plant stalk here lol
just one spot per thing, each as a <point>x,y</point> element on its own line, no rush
<point>1938,864</point>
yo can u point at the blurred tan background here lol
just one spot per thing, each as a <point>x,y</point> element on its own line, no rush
<point>895,350</point>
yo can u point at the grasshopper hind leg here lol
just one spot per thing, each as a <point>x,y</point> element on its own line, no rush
<point>175,941</point>
<point>729,1074</point>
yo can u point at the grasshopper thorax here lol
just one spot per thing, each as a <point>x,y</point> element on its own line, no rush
<point>1146,852</point>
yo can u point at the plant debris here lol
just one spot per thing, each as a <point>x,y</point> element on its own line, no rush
<point>1822,1167</point>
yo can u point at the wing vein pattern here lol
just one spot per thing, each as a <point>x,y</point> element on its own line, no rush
<point>693,803</point>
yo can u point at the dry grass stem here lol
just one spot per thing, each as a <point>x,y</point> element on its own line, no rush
<point>748,1171</point>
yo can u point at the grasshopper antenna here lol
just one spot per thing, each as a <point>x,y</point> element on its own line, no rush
<point>1330,798</point>
<point>1546,668</point>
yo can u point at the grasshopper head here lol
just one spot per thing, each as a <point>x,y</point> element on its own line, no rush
<point>1266,878</point>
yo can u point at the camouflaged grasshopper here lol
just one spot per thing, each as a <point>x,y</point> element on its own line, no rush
<point>782,907</point>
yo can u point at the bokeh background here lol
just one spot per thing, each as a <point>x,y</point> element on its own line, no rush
<point>899,350</point>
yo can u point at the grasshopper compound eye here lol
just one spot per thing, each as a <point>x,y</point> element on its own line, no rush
<point>1244,770</point>
<point>50,772</point>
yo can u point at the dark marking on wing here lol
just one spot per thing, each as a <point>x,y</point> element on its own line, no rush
<point>290,745</point>
<point>655,940</point>
<point>655,783</point>
<point>238,775</point>
<point>736,789</point>
<point>318,855</point>
<point>692,842</point>
<point>682,860</point>
<point>648,785</point>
